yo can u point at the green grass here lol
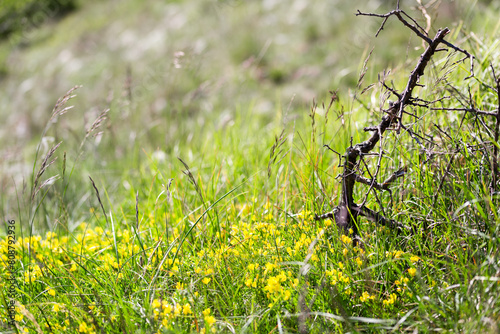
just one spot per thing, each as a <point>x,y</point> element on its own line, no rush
<point>225,240</point>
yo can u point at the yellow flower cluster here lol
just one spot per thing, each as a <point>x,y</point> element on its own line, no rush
<point>391,300</point>
<point>170,313</point>
<point>274,283</point>
<point>209,319</point>
<point>366,297</point>
<point>394,254</point>
<point>86,328</point>
<point>260,253</point>
<point>337,276</point>
<point>345,239</point>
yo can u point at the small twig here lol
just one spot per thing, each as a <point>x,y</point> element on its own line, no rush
<point>472,110</point>
<point>414,101</point>
<point>494,172</point>
<point>379,219</point>
<point>426,15</point>
<point>391,90</point>
<point>397,13</point>
<point>331,149</point>
<point>328,215</point>
<point>442,131</point>
<point>467,56</point>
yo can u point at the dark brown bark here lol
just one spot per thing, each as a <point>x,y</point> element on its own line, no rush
<point>347,212</point>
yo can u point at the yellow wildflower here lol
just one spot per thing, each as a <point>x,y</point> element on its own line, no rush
<point>345,239</point>
<point>392,298</point>
<point>269,267</point>
<point>167,309</point>
<point>186,309</point>
<point>51,292</point>
<point>156,303</point>
<point>366,296</point>
<point>397,254</point>
<point>253,266</point>
<point>412,271</point>
<point>414,258</point>
<point>273,284</point>
<point>287,295</point>
<point>83,327</point>
<point>206,280</point>
<point>209,320</point>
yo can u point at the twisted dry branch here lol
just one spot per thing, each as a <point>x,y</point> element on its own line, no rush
<point>347,212</point>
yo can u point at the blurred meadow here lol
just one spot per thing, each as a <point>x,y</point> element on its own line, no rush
<point>177,193</point>
<point>172,71</point>
<point>168,68</point>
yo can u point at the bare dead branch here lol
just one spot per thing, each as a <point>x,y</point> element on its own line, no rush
<point>331,149</point>
<point>398,13</point>
<point>471,110</point>
<point>421,32</point>
<point>347,212</point>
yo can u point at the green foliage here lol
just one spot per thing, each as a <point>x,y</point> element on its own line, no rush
<point>17,16</point>
<point>226,241</point>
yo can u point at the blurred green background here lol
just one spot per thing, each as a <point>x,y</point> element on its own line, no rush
<point>172,72</point>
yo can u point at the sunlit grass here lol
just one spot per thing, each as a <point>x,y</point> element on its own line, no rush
<point>228,245</point>
<point>211,228</point>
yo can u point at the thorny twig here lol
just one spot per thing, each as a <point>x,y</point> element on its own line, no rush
<point>494,171</point>
<point>347,212</point>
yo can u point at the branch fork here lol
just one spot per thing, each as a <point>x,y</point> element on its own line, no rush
<point>347,212</point>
